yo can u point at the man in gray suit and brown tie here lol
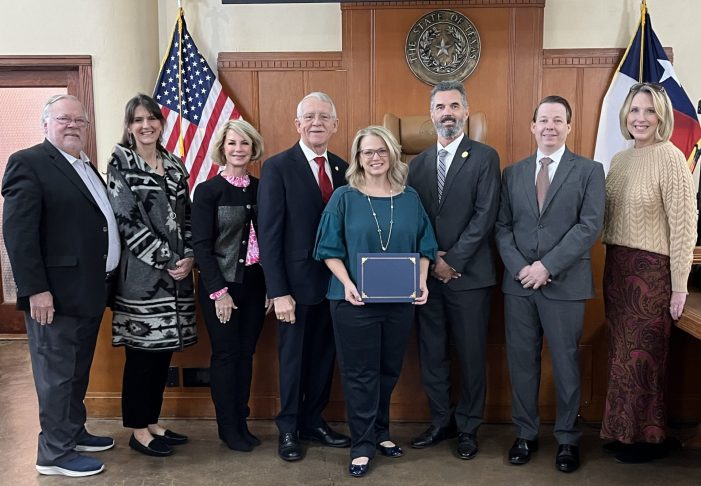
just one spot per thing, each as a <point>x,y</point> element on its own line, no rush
<point>551,213</point>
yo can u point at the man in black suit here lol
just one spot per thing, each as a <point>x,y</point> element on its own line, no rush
<point>551,213</point>
<point>63,244</point>
<point>295,185</point>
<point>458,182</point>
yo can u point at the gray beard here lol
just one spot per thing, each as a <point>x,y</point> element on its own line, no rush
<point>450,132</point>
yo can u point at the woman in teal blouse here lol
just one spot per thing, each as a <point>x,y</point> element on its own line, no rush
<point>374,213</point>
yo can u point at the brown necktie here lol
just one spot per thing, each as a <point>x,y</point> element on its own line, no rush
<point>542,182</point>
<point>324,182</point>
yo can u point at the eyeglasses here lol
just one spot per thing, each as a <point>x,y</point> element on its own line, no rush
<point>67,120</point>
<point>323,117</point>
<point>654,86</point>
<point>369,154</point>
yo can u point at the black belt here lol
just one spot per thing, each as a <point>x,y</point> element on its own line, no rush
<point>110,275</point>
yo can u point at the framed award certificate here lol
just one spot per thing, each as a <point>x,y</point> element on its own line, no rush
<point>388,277</point>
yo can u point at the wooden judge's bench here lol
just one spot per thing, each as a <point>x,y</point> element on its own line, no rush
<point>368,79</point>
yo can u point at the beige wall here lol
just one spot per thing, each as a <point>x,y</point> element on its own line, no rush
<point>120,35</point>
<point>127,38</point>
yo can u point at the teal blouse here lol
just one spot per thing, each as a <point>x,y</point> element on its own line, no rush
<point>348,228</point>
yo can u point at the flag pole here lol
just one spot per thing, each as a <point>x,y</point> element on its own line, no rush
<point>181,143</point>
<point>643,11</point>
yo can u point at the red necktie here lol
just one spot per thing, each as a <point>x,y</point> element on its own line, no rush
<point>324,182</point>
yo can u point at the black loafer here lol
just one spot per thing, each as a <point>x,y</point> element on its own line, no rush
<point>156,447</point>
<point>520,452</point>
<point>172,438</point>
<point>392,451</point>
<point>326,436</point>
<point>358,470</point>
<point>433,435</point>
<point>467,446</point>
<point>288,447</point>
<point>567,458</point>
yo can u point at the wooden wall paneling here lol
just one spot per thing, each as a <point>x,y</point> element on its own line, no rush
<point>357,55</point>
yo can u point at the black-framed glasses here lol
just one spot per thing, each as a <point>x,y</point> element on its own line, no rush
<point>654,86</point>
<point>369,154</point>
<point>67,120</point>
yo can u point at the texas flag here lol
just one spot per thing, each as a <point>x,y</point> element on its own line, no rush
<point>645,61</point>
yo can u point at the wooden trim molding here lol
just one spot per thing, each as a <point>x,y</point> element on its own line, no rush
<point>443,4</point>
<point>45,62</point>
<point>279,61</point>
<point>553,58</point>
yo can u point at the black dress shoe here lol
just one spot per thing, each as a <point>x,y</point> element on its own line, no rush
<point>641,452</point>
<point>520,452</point>
<point>391,451</point>
<point>326,436</point>
<point>567,458</point>
<point>172,438</point>
<point>358,470</point>
<point>288,447</point>
<point>433,435</point>
<point>467,446</point>
<point>156,447</point>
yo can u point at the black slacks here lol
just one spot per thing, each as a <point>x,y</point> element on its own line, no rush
<point>306,353</point>
<point>61,355</point>
<point>233,345</point>
<point>143,384</point>
<point>371,341</point>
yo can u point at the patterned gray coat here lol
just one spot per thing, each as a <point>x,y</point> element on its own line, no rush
<point>151,310</point>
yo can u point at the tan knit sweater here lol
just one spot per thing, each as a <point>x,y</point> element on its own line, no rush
<point>651,205</point>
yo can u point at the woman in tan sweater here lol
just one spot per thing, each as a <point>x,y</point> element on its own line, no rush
<point>649,232</point>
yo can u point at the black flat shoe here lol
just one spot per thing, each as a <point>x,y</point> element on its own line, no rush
<point>288,447</point>
<point>520,452</point>
<point>612,447</point>
<point>358,470</point>
<point>392,451</point>
<point>156,447</point>
<point>172,438</point>
<point>235,441</point>
<point>246,434</point>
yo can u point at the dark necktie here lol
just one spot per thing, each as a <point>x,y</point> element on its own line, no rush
<point>324,182</point>
<point>542,182</point>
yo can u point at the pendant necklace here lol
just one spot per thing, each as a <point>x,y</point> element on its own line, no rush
<point>377,223</point>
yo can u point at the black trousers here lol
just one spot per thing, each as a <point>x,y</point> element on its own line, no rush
<point>463,317</point>
<point>145,377</point>
<point>233,345</point>
<point>306,353</point>
<point>371,342</point>
<point>61,355</point>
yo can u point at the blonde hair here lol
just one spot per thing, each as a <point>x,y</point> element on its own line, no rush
<point>242,128</point>
<point>660,102</point>
<point>398,170</point>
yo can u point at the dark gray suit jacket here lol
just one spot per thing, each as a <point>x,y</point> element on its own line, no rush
<point>464,219</point>
<point>560,236</point>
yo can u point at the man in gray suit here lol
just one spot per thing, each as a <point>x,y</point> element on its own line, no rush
<point>458,182</point>
<point>551,213</point>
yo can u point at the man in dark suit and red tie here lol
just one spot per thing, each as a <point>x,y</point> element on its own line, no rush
<point>295,185</point>
<point>63,244</point>
<point>550,215</point>
<point>458,182</point>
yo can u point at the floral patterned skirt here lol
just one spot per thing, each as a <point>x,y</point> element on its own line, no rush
<point>637,291</point>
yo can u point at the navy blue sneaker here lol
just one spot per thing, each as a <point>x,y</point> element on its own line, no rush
<point>93,443</point>
<point>77,467</point>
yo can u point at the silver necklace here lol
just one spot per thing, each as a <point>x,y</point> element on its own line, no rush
<point>377,223</point>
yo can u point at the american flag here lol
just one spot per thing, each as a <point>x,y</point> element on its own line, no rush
<point>193,104</point>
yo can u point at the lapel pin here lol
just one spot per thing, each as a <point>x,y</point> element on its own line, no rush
<point>465,154</point>
<point>335,167</point>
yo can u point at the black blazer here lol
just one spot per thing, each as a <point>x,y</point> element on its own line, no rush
<point>55,233</point>
<point>464,219</point>
<point>221,222</point>
<point>289,210</point>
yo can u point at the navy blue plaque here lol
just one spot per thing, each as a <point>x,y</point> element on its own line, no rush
<point>388,277</point>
